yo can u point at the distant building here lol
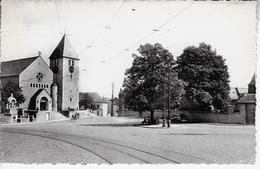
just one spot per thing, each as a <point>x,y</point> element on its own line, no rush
<point>251,86</point>
<point>247,103</point>
<point>54,87</point>
<point>101,105</point>
<point>115,107</point>
<point>235,94</point>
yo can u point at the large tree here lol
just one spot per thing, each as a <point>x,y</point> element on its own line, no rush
<point>86,101</point>
<point>145,80</point>
<point>207,76</point>
<point>8,89</point>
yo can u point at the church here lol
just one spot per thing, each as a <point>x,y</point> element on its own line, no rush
<point>53,87</point>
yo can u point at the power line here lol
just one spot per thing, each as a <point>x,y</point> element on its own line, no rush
<point>157,30</point>
<point>100,34</point>
<point>164,24</point>
<point>58,14</point>
<point>168,21</point>
<point>117,11</point>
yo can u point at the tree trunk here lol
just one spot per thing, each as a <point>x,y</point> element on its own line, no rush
<point>140,113</point>
<point>152,115</point>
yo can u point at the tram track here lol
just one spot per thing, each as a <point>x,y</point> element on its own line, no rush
<point>137,154</point>
<point>88,150</point>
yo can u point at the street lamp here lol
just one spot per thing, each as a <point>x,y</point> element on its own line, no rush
<point>169,94</point>
<point>164,105</point>
<point>112,100</point>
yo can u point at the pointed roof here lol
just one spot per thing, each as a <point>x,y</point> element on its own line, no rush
<point>15,67</point>
<point>64,49</point>
<point>252,82</point>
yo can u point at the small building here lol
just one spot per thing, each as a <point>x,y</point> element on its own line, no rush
<point>235,94</point>
<point>247,103</point>
<point>100,104</point>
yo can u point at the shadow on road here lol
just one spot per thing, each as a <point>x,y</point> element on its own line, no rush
<point>111,125</point>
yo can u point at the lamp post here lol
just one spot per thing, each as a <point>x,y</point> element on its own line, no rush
<point>169,96</point>
<point>112,100</point>
<point>164,105</point>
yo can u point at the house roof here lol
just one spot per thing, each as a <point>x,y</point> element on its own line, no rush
<point>233,94</point>
<point>242,90</point>
<point>15,67</point>
<point>95,97</point>
<point>64,49</point>
<point>248,98</point>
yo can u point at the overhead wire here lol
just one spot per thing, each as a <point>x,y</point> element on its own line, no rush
<point>100,34</point>
<point>58,14</point>
<point>160,27</point>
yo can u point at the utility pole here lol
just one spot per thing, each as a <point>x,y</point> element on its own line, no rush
<point>112,100</point>
<point>169,96</point>
<point>164,106</point>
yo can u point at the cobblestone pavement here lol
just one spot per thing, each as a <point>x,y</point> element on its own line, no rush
<point>182,143</point>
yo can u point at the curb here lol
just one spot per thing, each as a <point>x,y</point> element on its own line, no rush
<point>36,122</point>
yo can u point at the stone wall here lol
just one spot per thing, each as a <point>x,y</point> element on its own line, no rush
<point>196,116</point>
<point>248,109</point>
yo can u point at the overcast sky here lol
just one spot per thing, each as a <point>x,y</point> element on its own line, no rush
<point>106,33</point>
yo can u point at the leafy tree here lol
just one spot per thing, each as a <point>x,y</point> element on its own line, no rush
<point>87,102</point>
<point>8,89</point>
<point>145,80</point>
<point>207,76</point>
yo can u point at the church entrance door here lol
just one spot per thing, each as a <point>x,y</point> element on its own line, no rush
<point>44,103</point>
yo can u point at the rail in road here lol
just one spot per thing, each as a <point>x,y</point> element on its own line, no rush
<point>112,151</point>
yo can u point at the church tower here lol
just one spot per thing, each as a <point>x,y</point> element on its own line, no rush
<point>65,67</point>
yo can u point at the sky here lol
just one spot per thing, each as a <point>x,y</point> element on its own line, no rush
<point>106,33</point>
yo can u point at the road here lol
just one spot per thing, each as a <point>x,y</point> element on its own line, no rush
<point>115,140</point>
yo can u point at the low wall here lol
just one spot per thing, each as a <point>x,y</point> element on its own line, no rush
<point>196,116</point>
<point>236,118</point>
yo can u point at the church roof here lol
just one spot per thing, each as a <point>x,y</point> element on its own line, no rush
<point>15,67</point>
<point>64,49</point>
